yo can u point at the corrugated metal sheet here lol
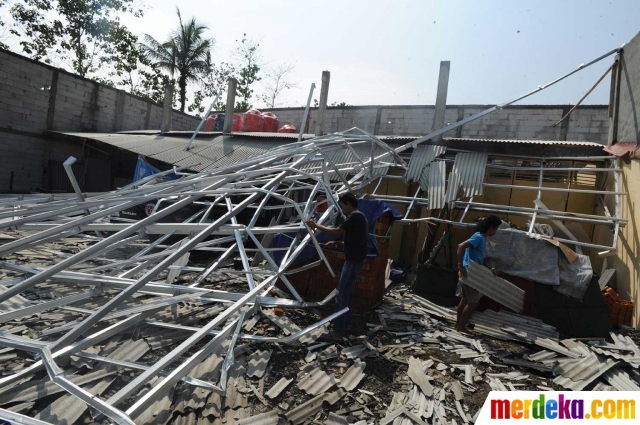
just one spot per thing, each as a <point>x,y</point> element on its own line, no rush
<point>422,156</point>
<point>258,363</point>
<point>424,179</point>
<point>317,382</point>
<point>620,380</point>
<point>209,153</point>
<point>584,367</point>
<point>506,326</point>
<point>334,419</point>
<point>628,358</point>
<point>268,418</point>
<point>528,142</point>
<point>453,187</point>
<point>302,412</point>
<point>352,377</point>
<point>353,352</point>
<point>17,302</point>
<point>437,182</point>
<point>30,391</point>
<point>278,387</point>
<point>554,346</point>
<point>482,279</point>
<point>471,167</point>
<point>606,278</point>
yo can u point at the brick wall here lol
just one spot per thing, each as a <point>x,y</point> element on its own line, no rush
<point>35,98</point>
<point>588,123</point>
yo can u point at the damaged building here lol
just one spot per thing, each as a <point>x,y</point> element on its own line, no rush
<point>199,294</point>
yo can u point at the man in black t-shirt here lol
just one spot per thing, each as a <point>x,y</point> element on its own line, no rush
<point>355,230</point>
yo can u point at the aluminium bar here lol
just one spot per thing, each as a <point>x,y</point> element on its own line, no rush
<point>138,366</point>
<point>202,121</point>
<point>538,197</point>
<point>19,419</point>
<point>118,299</point>
<point>552,189</point>
<point>500,106</point>
<point>90,340</point>
<point>38,308</point>
<point>306,113</point>
<point>82,255</point>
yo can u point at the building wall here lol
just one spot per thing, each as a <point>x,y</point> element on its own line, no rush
<point>588,123</point>
<point>36,98</point>
<point>626,261</point>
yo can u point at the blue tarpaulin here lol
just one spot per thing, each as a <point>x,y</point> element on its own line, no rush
<point>373,209</point>
<point>144,169</point>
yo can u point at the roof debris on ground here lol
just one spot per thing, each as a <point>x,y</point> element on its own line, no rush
<point>168,319</point>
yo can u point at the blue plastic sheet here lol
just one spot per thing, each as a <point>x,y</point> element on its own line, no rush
<point>144,169</point>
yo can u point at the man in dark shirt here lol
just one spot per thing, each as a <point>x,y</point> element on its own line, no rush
<point>355,230</point>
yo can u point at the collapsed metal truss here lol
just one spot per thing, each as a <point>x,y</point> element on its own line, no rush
<point>119,296</point>
<point>282,182</point>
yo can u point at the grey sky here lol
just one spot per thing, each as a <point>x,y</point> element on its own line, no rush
<point>388,52</point>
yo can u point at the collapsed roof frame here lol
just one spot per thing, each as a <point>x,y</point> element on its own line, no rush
<point>330,164</point>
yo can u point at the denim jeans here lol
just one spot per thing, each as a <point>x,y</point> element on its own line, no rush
<point>350,272</point>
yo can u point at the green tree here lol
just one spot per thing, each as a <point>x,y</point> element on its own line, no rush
<point>88,32</point>
<point>2,29</point>
<point>216,78</point>
<point>186,54</point>
<point>248,57</point>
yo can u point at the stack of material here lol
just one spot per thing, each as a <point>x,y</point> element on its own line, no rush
<point>620,311</point>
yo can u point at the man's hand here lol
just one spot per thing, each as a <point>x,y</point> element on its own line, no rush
<point>463,272</point>
<point>330,244</point>
<point>312,224</point>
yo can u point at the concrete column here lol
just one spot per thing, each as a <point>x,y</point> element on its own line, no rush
<point>441,98</point>
<point>231,103</point>
<point>324,94</point>
<point>167,109</point>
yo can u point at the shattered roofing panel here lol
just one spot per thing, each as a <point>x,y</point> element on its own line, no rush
<point>437,184</point>
<point>471,167</point>
<point>422,156</point>
<point>482,279</point>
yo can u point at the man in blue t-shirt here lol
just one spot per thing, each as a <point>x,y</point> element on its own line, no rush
<point>472,250</point>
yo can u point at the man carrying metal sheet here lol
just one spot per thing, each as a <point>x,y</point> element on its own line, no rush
<point>472,249</point>
<point>355,232</point>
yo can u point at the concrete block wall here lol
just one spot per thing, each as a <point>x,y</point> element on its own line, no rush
<point>24,100</point>
<point>31,92</point>
<point>588,123</point>
<point>36,98</point>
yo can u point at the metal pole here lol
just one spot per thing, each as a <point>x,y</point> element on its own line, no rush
<point>204,118</point>
<point>306,112</point>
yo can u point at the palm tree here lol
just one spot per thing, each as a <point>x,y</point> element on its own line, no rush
<point>186,53</point>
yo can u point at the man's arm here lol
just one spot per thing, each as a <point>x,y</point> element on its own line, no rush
<point>331,231</point>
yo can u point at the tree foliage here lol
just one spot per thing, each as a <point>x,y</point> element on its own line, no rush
<point>215,79</point>
<point>186,55</point>
<point>276,81</point>
<point>245,68</point>
<point>249,60</point>
<point>2,28</point>
<point>86,32</point>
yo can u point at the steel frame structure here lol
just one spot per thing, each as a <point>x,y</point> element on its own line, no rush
<point>284,180</point>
